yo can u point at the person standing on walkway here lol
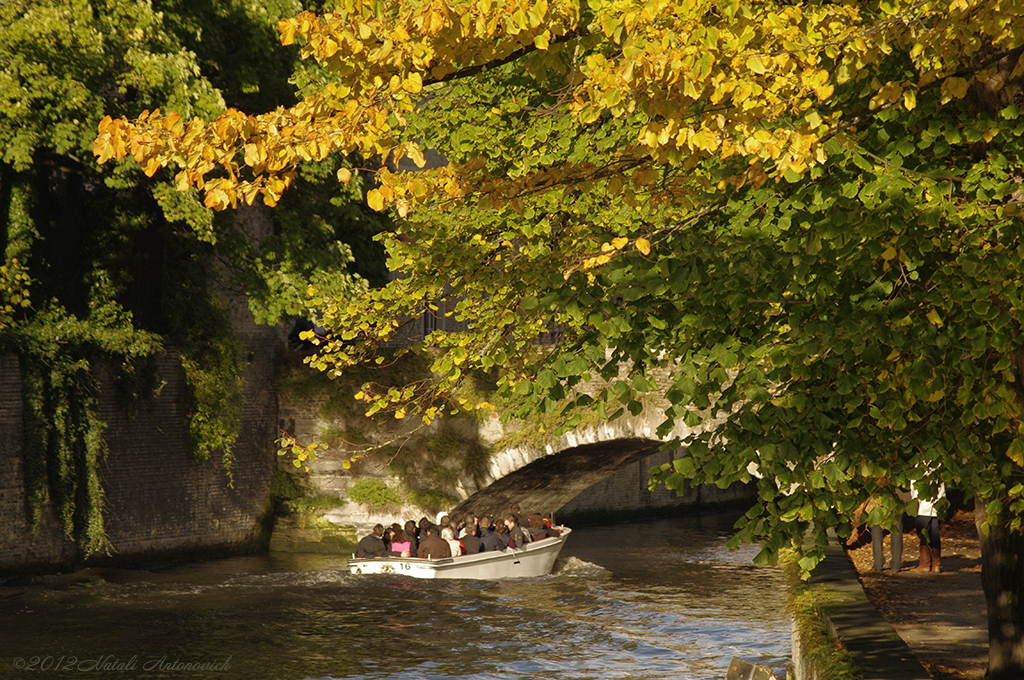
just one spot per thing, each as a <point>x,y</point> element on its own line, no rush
<point>927,525</point>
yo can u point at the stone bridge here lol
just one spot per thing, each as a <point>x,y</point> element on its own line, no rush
<point>547,479</point>
<point>598,470</point>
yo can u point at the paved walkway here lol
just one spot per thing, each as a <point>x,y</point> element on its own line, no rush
<point>913,625</point>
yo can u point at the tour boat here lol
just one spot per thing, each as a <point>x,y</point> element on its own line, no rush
<point>534,559</point>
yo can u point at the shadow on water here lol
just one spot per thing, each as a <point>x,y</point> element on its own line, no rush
<point>655,599</point>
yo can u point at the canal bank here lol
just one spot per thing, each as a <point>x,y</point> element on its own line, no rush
<point>909,625</point>
<point>855,624</point>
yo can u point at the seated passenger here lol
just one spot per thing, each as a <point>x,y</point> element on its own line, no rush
<point>541,528</point>
<point>433,547</point>
<point>448,534</point>
<point>400,543</point>
<point>470,543</point>
<point>516,536</point>
<point>470,518</point>
<point>411,532</point>
<point>372,545</point>
<point>489,538</point>
<point>516,513</point>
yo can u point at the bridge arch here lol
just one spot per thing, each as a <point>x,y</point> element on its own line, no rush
<point>545,479</point>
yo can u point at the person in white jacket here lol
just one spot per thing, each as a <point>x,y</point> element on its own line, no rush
<point>927,525</point>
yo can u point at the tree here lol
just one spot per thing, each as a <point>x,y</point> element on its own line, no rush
<point>104,262</point>
<point>805,214</point>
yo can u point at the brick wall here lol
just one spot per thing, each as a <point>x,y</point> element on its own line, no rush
<point>158,501</point>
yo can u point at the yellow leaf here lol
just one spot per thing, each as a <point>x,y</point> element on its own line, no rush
<point>889,253</point>
<point>413,84</point>
<point>416,155</point>
<point>1016,451</point>
<point>933,316</point>
<point>954,87</point>
<point>755,64</point>
<point>909,99</point>
<point>287,30</point>
<point>644,246</point>
<point>344,175</point>
<point>542,40</point>
<point>619,242</point>
<point>375,200</point>
<point>436,23</point>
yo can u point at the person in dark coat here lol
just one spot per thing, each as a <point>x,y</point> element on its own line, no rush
<point>516,536</point>
<point>373,544</point>
<point>433,546</point>
<point>541,528</point>
<point>489,538</point>
<point>517,513</point>
<point>470,543</point>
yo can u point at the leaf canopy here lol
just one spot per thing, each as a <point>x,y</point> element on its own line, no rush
<point>796,221</point>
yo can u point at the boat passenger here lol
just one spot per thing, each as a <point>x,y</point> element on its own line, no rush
<point>541,528</point>
<point>448,534</point>
<point>470,543</point>
<point>491,539</point>
<point>433,547</point>
<point>516,536</point>
<point>400,543</point>
<point>412,533</point>
<point>372,545</point>
<point>469,520</point>
<point>516,513</point>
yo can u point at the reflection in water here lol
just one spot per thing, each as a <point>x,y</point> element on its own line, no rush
<point>654,599</point>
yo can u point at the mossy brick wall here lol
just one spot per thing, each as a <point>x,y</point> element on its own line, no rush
<point>159,503</point>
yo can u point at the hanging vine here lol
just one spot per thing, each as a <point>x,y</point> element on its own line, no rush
<point>63,436</point>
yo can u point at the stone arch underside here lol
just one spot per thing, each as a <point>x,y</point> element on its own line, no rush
<point>548,483</point>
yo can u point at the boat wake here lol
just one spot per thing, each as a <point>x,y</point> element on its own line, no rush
<point>573,566</point>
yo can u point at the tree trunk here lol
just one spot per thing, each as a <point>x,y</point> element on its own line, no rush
<point>1002,577</point>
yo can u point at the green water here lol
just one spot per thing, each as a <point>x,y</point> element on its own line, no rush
<point>648,600</point>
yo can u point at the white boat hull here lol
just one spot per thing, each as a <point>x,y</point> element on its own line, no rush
<point>534,559</point>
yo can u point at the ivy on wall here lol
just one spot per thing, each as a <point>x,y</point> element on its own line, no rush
<point>63,437</point>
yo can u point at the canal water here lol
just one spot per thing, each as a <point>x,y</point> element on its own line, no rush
<point>656,599</point>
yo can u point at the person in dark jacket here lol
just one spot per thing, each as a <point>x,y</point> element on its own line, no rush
<point>516,513</point>
<point>541,528</point>
<point>372,545</point>
<point>433,546</point>
<point>516,536</point>
<point>470,543</point>
<point>489,538</point>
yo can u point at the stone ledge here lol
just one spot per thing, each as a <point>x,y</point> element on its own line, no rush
<point>881,653</point>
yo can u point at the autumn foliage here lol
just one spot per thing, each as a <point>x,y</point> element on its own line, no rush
<point>799,222</point>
